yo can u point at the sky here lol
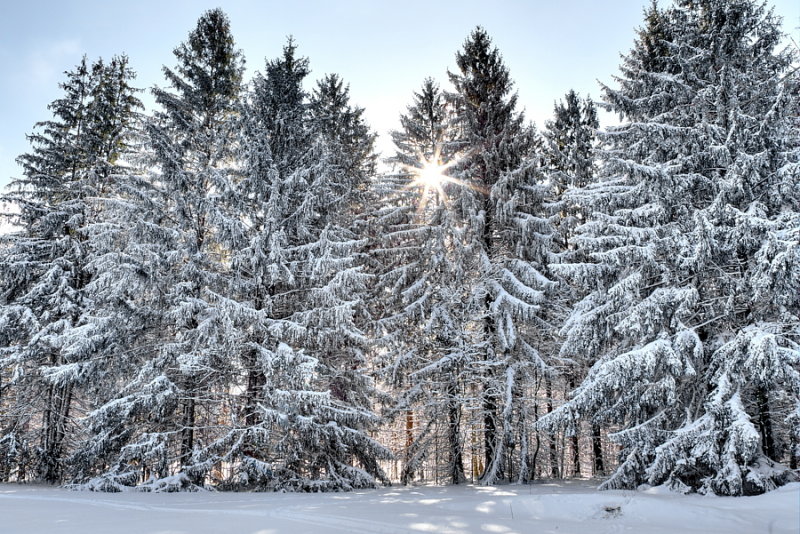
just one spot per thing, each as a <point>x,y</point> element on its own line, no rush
<point>384,50</point>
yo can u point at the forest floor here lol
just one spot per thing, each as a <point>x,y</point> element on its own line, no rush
<point>542,508</point>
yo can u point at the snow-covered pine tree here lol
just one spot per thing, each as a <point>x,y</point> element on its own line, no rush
<point>692,312</point>
<point>570,152</point>
<point>508,237</point>
<point>127,250</point>
<point>303,420</point>
<point>570,163</point>
<point>50,333</point>
<point>276,382</point>
<point>332,304</point>
<point>177,384</point>
<point>421,287</point>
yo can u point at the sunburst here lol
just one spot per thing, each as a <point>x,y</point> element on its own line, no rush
<point>431,176</point>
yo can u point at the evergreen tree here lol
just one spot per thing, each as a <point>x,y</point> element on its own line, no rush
<point>692,306</point>
<point>277,386</point>
<point>332,305</point>
<point>50,334</point>
<point>570,144</point>
<point>175,392</point>
<point>570,164</point>
<point>422,290</point>
<point>508,238</point>
<point>305,415</point>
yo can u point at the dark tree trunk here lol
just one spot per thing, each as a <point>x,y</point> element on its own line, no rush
<point>456,465</point>
<point>187,433</point>
<point>255,375</point>
<point>576,457</point>
<point>490,405</point>
<point>489,430</point>
<point>409,428</point>
<point>190,391</point>
<point>407,474</point>
<point>54,430</point>
<point>255,385</point>
<point>576,453</point>
<point>548,391</point>
<point>597,451</point>
<point>765,423</point>
<point>535,456</point>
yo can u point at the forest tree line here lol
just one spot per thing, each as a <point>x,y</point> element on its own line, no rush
<point>230,291</point>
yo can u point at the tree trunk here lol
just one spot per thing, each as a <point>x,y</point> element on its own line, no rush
<point>63,421</point>
<point>55,422</point>
<point>576,453</point>
<point>456,460</point>
<point>509,434</point>
<point>576,457</point>
<point>535,456</point>
<point>45,468</point>
<point>187,433</point>
<point>407,474</point>
<point>255,385</point>
<point>765,423</point>
<point>548,391</point>
<point>489,431</point>
<point>490,407</point>
<point>597,451</point>
<point>409,428</point>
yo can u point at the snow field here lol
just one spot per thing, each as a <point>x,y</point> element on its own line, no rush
<point>573,507</point>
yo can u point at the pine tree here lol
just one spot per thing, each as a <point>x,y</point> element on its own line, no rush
<point>51,335</point>
<point>422,290</point>
<point>508,237</point>
<point>304,418</point>
<point>277,379</point>
<point>570,164</point>
<point>333,308</point>
<point>690,312</point>
<point>570,144</point>
<point>178,375</point>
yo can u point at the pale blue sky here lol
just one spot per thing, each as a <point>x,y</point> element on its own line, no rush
<point>383,49</point>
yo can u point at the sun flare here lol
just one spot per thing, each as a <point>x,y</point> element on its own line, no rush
<point>431,175</point>
<point>430,178</point>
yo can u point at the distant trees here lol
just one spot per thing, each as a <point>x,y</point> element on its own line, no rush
<point>227,292</point>
<point>424,291</point>
<point>570,153</point>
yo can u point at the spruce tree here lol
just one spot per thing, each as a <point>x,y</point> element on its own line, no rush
<point>50,332</point>
<point>302,423</point>
<point>177,378</point>
<point>273,144</point>
<point>508,237</point>
<point>422,290</point>
<point>570,163</point>
<point>689,312</point>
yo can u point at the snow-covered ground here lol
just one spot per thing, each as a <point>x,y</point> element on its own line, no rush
<point>541,509</point>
